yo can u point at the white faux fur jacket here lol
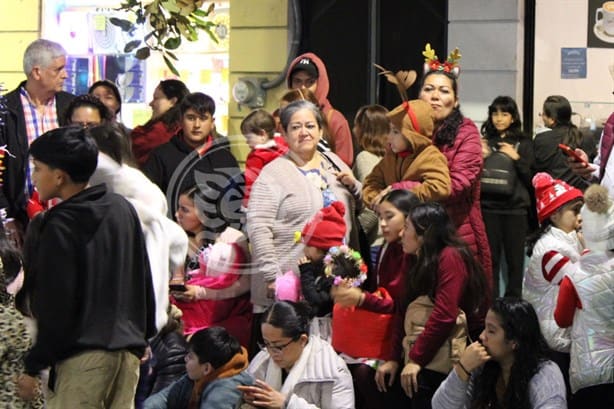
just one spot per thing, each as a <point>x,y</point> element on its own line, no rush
<point>167,243</point>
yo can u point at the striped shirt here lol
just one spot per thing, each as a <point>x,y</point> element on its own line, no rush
<point>37,123</point>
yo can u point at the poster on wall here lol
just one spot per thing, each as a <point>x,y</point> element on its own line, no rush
<point>573,63</point>
<point>600,24</point>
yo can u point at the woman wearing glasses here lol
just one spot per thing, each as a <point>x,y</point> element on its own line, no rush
<point>294,370</point>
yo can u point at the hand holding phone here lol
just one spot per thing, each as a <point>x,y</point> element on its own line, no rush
<point>572,154</point>
<point>179,287</point>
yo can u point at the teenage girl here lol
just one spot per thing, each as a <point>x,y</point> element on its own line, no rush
<point>506,217</point>
<point>374,377</point>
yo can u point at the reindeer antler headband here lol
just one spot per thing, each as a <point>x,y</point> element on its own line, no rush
<point>403,80</point>
<point>432,63</point>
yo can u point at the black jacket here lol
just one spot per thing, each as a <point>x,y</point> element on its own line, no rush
<point>169,351</point>
<point>315,287</point>
<point>90,280</point>
<point>15,137</point>
<point>166,158</point>
<point>549,158</point>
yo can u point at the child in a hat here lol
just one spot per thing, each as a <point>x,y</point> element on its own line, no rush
<point>553,249</point>
<point>327,262</point>
<point>586,303</point>
<point>411,161</point>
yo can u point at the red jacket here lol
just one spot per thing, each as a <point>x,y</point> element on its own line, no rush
<point>145,139</point>
<point>449,296</point>
<point>392,269</point>
<point>257,159</point>
<point>338,126</point>
<point>465,163</point>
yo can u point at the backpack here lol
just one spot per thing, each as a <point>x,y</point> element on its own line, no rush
<point>499,174</point>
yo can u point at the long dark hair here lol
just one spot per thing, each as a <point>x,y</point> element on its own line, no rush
<point>503,104</point>
<point>558,108</point>
<point>433,224</point>
<point>445,134</point>
<point>520,324</point>
<point>403,200</point>
<point>172,117</point>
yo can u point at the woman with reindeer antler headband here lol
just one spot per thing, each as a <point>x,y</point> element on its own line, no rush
<point>459,140</point>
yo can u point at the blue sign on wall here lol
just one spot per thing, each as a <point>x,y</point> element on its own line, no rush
<point>573,63</point>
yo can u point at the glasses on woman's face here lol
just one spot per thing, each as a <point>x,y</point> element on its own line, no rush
<point>274,349</point>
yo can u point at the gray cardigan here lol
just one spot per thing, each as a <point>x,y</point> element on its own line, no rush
<point>546,390</point>
<point>281,202</point>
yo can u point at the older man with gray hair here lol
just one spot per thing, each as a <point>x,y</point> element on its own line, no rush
<point>34,107</point>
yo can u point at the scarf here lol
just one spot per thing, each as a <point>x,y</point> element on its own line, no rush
<point>273,372</point>
<point>236,365</point>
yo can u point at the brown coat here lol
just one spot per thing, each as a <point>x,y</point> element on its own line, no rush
<point>425,165</point>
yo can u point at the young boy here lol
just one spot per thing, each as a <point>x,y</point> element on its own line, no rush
<point>196,134</point>
<point>215,366</point>
<point>89,281</point>
<point>259,130</point>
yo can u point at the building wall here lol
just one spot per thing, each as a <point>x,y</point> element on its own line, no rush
<point>19,26</point>
<point>490,36</point>
<point>258,48</point>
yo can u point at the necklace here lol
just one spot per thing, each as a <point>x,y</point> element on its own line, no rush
<point>314,176</point>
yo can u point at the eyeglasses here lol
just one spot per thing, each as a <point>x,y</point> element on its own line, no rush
<point>275,349</point>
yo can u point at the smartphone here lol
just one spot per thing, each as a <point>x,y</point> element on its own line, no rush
<point>178,287</point>
<point>572,154</point>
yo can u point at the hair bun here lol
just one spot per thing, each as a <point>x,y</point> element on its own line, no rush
<point>596,199</point>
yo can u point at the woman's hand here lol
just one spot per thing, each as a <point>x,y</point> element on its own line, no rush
<point>486,151</point>
<point>474,357</point>
<point>509,150</point>
<point>388,368</point>
<point>409,378</point>
<point>347,178</point>
<point>377,199</point>
<point>189,295</point>
<point>270,290</point>
<point>28,387</point>
<point>303,260</point>
<point>262,395</point>
<point>346,296</point>
<point>580,168</point>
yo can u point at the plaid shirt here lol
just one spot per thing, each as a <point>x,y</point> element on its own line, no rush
<point>37,123</point>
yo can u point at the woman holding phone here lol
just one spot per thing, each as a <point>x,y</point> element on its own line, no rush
<point>295,370</point>
<point>549,158</point>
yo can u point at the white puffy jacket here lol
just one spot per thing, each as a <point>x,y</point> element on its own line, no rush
<point>592,331</point>
<point>553,257</point>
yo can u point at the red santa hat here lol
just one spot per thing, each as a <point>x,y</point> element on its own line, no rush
<point>327,228</point>
<point>551,194</point>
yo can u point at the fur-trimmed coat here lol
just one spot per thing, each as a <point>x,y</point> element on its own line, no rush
<point>425,168</point>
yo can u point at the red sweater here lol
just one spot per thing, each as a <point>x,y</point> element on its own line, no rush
<point>566,304</point>
<point>392,275</point>
<point>449,296</point>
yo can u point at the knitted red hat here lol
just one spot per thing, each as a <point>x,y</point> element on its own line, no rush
<point>327,228</point>
<point>551,194</point>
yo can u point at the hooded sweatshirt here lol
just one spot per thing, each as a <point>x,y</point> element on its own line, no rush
<point>338,126</point>
<point>90,291</point>
<point>422,169</point>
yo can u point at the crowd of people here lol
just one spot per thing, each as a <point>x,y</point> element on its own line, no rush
<point>382,266</point>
